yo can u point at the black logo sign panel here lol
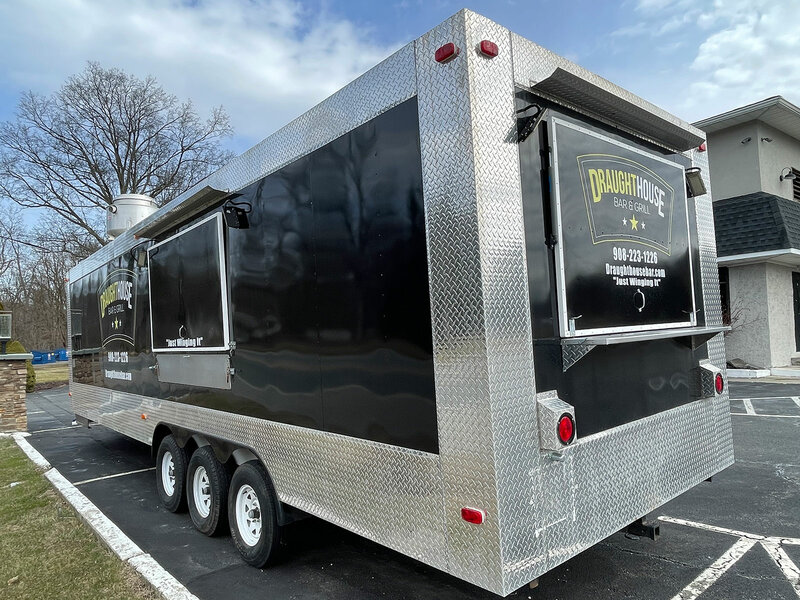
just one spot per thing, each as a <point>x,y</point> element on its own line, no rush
<point>624,244</point>
<point>117,303</point>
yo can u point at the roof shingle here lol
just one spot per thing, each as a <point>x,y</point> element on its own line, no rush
<point>756,223</point>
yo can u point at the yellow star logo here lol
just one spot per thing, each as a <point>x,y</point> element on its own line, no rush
<point>634,223</point>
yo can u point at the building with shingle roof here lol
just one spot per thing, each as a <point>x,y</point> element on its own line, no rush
<point>754,163</point>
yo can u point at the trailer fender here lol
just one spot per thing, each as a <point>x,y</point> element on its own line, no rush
<point>224,450</point>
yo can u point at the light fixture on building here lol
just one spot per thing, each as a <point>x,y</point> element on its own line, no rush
<point>766,139</point>
<point>694,182</point>
<point>747,139</point>
<point>790,174</point>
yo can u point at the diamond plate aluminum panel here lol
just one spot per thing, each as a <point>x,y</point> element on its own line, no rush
<point>457,303</point>
<point>572,353</point>
<point>385,493</point>
<point>712,305</point>
<point>384,86</point>
<point>509,341</point>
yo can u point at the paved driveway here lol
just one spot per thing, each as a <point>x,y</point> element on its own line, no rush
<point>725,539</point>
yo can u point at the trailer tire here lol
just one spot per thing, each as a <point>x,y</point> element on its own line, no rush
<point>253,509</point>
<point>207,484</point>
<point>171,474</point>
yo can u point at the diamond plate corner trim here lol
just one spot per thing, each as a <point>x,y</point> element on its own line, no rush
<point>382,87</point>
<point>457,305</point>
<point>712,305</point>
<point>388,494</point>
<point>507,315</point>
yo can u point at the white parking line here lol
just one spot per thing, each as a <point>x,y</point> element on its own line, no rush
<point>784,563</point>
<point>748,406</point>
<point>77,483</point>
<point>714,528</point>
<point>716,570</point>
<point>764,398</point>
<point>738,414</point>
<point>56,429</point>
<point>772,545</point>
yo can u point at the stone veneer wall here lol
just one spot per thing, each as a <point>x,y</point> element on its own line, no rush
<point>13,413</point>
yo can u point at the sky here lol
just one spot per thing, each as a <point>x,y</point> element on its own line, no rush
<point>268,61</point>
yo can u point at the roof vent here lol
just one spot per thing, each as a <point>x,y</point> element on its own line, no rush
<point>126,211</point>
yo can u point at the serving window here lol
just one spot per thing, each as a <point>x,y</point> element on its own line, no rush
<point>188,290</point>
<point>623,253</point>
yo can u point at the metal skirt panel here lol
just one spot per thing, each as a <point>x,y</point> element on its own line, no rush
<point>388,494</point>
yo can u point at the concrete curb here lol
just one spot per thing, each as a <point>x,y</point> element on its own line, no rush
<point>786,372</point>
<point>111,535</point>
<point>748,373</point>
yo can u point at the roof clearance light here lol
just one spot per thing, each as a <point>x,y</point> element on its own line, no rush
<point>488,48</point>
<point>719,383</point>
<point>473,515</point>
<point>446,53</point>
<point>701,147</point>
<point>566,429</point>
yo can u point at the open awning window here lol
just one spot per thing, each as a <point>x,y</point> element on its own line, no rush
<point>188,290</point>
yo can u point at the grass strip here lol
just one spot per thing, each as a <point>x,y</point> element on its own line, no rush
<point>51,373</point>
<point>46,551</point>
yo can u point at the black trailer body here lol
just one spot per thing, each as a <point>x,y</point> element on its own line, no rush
<point>325,294</point>
<point>402,306</point>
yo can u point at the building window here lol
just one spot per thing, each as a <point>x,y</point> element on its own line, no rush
<point>725,295</point>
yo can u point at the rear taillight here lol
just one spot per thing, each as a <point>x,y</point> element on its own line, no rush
<point>488,49</point>
<point>566,429</point>
<point>719,383</point>
<point>473,515</point>
<point>446,53</point>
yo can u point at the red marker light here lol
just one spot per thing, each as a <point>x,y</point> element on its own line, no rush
<point>719,383</point>
<point>701,147</point>
<point>473,515</point>
<point>566,429</point>
<point>488,48</point>
<point>446,53</point>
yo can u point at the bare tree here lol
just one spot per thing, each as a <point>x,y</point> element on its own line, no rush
<point>104,133</point>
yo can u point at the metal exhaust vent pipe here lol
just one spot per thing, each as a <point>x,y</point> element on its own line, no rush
<point>126,211</point>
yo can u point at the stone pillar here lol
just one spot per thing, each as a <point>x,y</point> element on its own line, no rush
<point>13,413</point>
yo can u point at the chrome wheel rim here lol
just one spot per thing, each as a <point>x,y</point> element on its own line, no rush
<point>168,473</point>
<point>201,488</point>
<point>248,515</point>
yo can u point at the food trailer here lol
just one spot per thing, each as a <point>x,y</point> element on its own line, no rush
<point>466,307</point>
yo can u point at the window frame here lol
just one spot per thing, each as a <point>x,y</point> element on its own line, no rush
<point>223,281</point>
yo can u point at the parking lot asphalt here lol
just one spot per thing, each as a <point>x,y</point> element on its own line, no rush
<point>709,545</point>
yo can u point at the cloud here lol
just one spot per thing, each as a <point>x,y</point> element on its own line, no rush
<point>698,58</point>
<point>752,54</point>
<point>265,61</point>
